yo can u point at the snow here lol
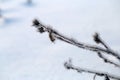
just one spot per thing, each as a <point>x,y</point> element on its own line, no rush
<point>26,54</point>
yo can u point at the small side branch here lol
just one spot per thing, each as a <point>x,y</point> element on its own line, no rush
<point>107,60</point>
<point>99,40</point>
<point>69,65</point>
<point>94,77</point>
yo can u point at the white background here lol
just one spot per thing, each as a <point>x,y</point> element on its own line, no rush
<point>27,55</point>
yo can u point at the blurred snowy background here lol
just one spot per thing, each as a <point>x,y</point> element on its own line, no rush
<point>27,55</point>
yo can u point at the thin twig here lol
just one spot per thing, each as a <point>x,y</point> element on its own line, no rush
<point>94,77</point>
<point>107,60</point>
<point>69,65</point>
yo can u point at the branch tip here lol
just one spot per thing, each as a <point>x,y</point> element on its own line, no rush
<point>96,38</point>
<point>36,22</point>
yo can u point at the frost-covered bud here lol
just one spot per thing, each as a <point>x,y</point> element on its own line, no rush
<point>52,37</point>
<point>36,22</point>
<point>67,65</point>
<point>97,38</point>
<point>41,30</point>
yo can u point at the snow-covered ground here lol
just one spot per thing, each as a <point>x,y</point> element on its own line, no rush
<point>27,55</point>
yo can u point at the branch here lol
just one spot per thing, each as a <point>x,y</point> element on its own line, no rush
<point>44,28</point>
<point>53,35</point>
<point>69,65</point>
